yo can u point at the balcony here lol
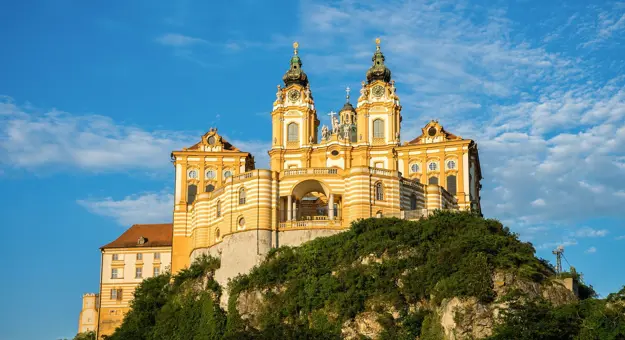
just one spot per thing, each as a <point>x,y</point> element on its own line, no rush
<point>312,172</point>
<point>320,222</point>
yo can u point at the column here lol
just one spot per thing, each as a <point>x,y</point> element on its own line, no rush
<point>295,210</point>
<point>289,215</point>
<point>331,207</point>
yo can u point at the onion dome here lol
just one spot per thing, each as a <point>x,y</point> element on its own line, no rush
<point>295,74</point>
<point>378,71</point>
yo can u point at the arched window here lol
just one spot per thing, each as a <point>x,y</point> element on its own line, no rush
<point>242,196</point>
<point>378,128</point>
<point>433,180</point>
<point>379,191</point>
<point>451,184</point>
<point>241,223</point>
<point>293,132</point>
<point>413,202</point>
<point>217,235</point>
<point>218,208</point>
<point>210,188</point>
<point>191,193</point>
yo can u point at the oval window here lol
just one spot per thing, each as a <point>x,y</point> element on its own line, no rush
<point>335,153</point>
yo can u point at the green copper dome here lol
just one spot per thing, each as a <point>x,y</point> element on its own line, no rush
<point>295,74</point>
<point>378,71</point>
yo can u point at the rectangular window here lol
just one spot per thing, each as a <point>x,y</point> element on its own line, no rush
<point>157,271</point>
<point>138,272</point>
<point>115,257</point>
<point>157,256</point>
<point>378,128</point>
<point>379,165</point>
<point>115,273</point>
<point>116,294</point>
<point>139,257</point>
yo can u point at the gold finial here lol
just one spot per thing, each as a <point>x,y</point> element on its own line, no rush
<point>295,47</point>
<point>377,44</point>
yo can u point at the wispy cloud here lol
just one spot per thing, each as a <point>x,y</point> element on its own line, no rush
<point>591,250</point>
<point>590,232</point>
<point>179,40</point>
<point>141,208</point>
<point>540,117</point>
<point>31,138</point>
<point>606,23</point>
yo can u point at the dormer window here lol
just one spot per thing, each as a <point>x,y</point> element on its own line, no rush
<point>142,240</point>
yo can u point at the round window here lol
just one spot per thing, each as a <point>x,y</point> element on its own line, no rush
<point>211,140</point>
<point>432,166</point>
<point>210,174</point>
<point>335,153</point>
<point>451,165</point>
<point>432,131</point>
<point>414,168</point>
<point>227,173</point>
<point>242,222</point>
<point>193,174</point>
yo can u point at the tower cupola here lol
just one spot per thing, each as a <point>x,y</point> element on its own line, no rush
<point>295,74</point>
<point>378,71</point>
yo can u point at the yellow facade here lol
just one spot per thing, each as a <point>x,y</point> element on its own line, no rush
<point>88,318</point>
<point>320,180</point>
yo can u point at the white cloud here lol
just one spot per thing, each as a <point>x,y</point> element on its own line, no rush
<point>179,40</point>
<point>550,128</point>
<point>142,208</point>
<point>538,203</point>
<point>590,232</point>
<point>591,250</point>
<point>33,139</point>
<point>618,238</point>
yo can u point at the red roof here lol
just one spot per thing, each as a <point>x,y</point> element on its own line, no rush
<point>154,235</point>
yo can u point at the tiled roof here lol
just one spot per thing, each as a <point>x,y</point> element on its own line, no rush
<point>155,235</point>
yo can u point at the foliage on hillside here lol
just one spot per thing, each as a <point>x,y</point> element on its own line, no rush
<point>398,270</point>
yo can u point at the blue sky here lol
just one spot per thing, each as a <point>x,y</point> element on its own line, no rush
<point>95,95</point>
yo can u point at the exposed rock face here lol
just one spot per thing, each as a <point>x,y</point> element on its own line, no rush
<point>249,305</point>
<point>364,324</point>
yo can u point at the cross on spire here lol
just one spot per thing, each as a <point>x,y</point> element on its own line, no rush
<point>347,96</point>
<point>331,114</point>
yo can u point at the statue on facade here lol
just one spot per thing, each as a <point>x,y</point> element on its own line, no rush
<point>308,93</point>
<point>335,125</point>
<point>346,132</point>
<point>310,139</point>
<point>363,91</point>
<point>279,94</point>
<point>393,89</point>
<point>325,133</point>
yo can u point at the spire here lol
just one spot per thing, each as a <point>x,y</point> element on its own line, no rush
<point>295,74</point>
<point>378,71</point>
<point>348,105</point>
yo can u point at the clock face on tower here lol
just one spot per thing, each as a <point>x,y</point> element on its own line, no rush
<point>378,91</point>
<point>293,95</point>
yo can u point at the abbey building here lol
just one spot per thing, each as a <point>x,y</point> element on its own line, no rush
<point>321,178</point>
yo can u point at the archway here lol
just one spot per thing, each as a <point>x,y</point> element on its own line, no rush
<point>310,200</point>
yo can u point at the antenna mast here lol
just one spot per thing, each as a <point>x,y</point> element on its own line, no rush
<point>558,253</point>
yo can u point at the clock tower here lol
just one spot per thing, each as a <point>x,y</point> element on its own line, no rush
<point>378,109</point>
<point>294,118</point>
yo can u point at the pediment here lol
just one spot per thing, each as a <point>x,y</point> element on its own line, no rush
<point>212,142</point>
<point>433,132</point>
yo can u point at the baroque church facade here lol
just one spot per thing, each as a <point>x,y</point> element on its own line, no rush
<point>320,178</point>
